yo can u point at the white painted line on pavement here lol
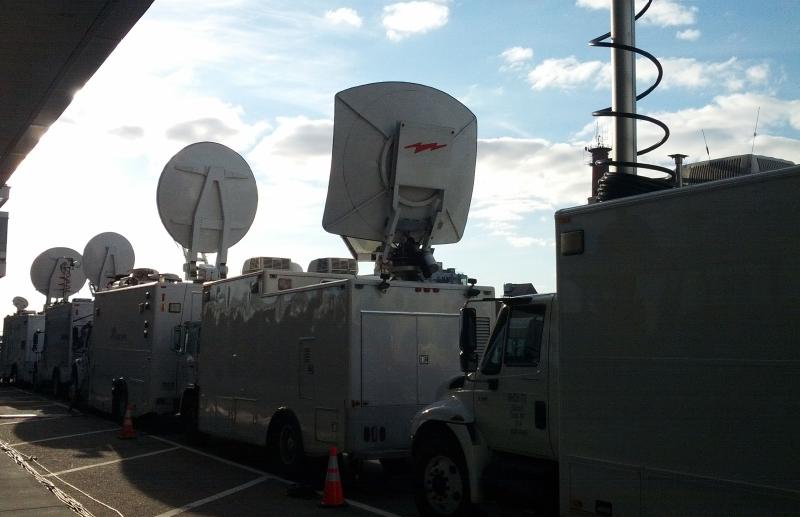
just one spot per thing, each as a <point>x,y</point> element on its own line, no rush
<point>371,509</point>
<point>220,495</point>
<point>265,475</point>
<point>35,418</point>
<point>20,415</point>
<point>118,460</point>
<point>66,436</point>
<point>220,459</point>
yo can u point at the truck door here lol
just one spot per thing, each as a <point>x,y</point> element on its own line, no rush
<point>511,387</point>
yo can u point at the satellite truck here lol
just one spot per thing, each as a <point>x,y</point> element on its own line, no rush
<point>22,332</point>
<point>303,361</point>
<point>206,199</point>
<point>59,273</point>
<point>56,273</point>
<point>662,376</point>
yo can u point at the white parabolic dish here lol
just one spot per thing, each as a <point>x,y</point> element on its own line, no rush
<point>51,277</point>
<point>20,303</point>
<point>428,135</point>
<point>106,256</point>
<point>203,187</point>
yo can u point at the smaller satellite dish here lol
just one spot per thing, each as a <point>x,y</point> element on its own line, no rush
<point>20,303</point>
<point>207,199</point>
<point>107,256</point>
<point>57,273</point>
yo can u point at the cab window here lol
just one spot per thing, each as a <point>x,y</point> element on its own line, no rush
<point>517,340</point>
<point>524,340</point>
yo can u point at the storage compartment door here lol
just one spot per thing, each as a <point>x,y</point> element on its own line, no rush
<point>388,359</point>
<point>437,358</point>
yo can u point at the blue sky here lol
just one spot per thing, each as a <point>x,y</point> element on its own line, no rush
<point>260,76</point>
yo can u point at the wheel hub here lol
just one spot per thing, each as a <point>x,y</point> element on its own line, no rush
<point>443,484</point>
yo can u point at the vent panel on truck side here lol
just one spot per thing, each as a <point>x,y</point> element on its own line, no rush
<point>482,331</point>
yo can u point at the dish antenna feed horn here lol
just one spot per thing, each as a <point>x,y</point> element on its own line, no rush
<point>57,273</point>
<point>207,200</point>
<point>402,172</point>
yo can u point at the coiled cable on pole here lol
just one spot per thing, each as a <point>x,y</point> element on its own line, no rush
<point>614,184</point>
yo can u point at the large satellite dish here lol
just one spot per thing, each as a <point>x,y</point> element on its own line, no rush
<point>57,273</point>
<point>402,171</point>
<point>207,200</point>
<point>20,303</point>
<point>107,256</point>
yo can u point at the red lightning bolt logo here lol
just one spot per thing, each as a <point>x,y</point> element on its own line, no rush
<point>419,147</point>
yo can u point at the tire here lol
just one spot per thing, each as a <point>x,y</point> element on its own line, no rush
<point>285,446</point>
<point>189,408</point>
<point>119,404</point>
<point>441,481</point>
<point>74,391</point>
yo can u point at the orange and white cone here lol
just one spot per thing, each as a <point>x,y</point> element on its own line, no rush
<point>332,496</point>
<point>127,425</point>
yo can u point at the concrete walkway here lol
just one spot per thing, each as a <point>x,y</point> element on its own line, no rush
<point>21,494</point>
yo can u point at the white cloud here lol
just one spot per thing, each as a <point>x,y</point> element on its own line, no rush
<point>516,57</point>
<point>344,16</point>
<point>688,35</point>
<point>731,75</point>
<point>664,13</point>
<point>408,18</point>
<point>518,179</point>
<point>567,73</point>
<point>728,124</point>
<point>526,242</point>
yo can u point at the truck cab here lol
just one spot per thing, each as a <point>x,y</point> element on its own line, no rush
<point>495,432</point>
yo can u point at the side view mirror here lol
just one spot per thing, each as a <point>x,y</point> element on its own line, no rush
<point>468,342</point>
<point>177,341</point>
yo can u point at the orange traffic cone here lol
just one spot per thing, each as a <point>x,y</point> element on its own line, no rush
<point>127,425</point>
<point>333,497</point>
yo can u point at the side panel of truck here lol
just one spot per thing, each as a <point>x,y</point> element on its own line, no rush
<point>408,354</point>
<point>353,363</point>
<point>64,326</point>
<point>680,364</point>
<point>132,340</point>
<point>263,352</point>
<point>20,353</point>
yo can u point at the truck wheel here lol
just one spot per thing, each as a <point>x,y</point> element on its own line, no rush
<point>74,391</point>
<point>189,409</point>
<point>119,405</point>
<point>285,446</point>
<point>441,483</point>
<point>56,387</point>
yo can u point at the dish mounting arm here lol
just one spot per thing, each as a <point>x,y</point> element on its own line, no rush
<point>214,186</point>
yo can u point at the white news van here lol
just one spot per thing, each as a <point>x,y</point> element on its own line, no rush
<point>23,335</point>
<point>132,357</point>
<point>663,378</point>
<point>301,362</point>
<point>67,328</point>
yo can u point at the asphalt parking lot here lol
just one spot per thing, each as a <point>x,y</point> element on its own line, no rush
<point>162,475</point>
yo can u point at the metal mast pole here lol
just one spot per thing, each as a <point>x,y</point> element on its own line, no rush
<point>623,83</point>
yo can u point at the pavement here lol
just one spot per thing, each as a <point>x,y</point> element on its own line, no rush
<point>20,493</point>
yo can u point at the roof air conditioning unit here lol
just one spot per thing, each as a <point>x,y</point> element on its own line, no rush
<point>258,263</point>
<point>344,266</point>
